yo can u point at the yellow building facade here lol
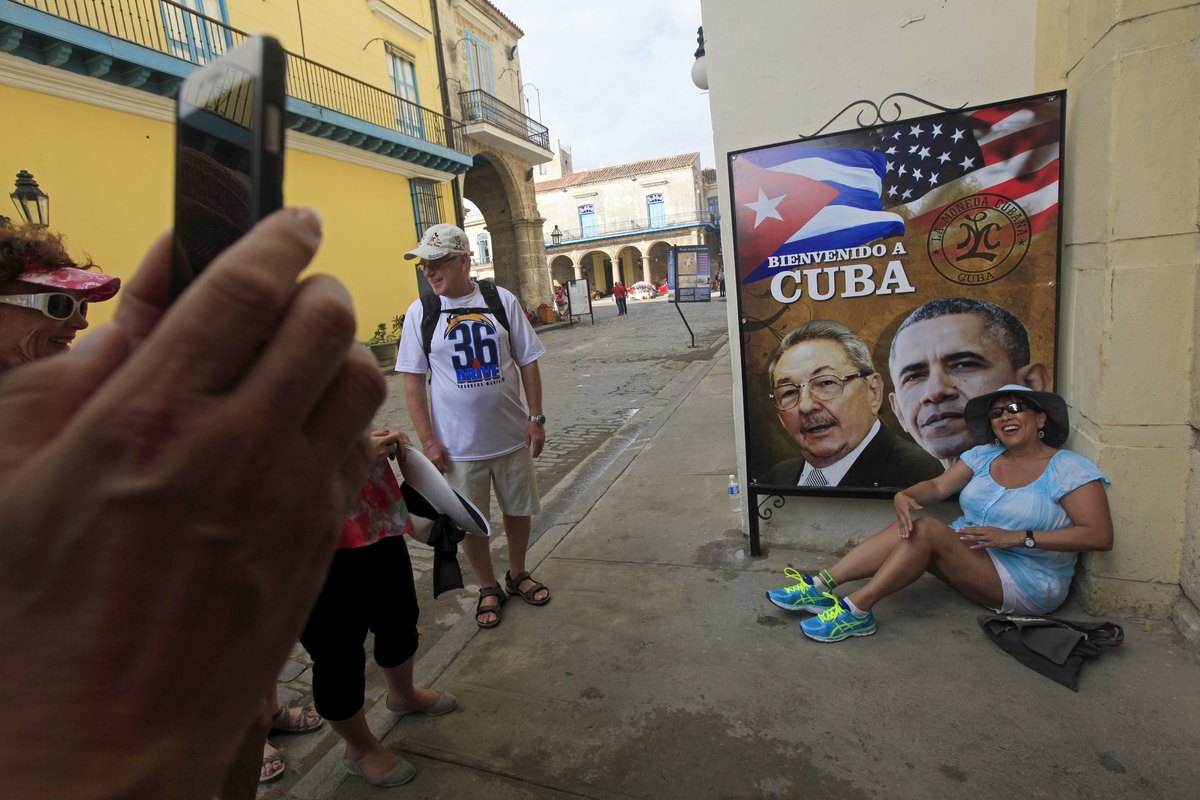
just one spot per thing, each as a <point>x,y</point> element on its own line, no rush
<point>368,146</point>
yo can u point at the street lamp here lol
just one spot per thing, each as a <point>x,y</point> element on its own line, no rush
<point>699,67</point>
<point>539,99</point>
<point>556,235</point>
<point>32,203</point>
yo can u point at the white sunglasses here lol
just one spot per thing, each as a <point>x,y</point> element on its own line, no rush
<point>55,305</point>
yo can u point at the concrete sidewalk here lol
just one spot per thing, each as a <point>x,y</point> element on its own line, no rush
<point>660,671</point>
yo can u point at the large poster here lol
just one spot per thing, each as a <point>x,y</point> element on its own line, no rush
<point>885,276</point>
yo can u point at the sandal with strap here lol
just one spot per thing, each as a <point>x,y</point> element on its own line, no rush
<point>485,592</point>
<point>513,585</point>
<point>271,759</point>
<point>295,720</point>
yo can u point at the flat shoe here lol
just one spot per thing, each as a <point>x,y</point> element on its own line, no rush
<point>399,775</point>
<point>446,703</point>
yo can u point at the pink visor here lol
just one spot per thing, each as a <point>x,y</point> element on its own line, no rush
<point>94,286</point>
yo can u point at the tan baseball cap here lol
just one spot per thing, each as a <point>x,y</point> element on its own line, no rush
<point>439,241</point>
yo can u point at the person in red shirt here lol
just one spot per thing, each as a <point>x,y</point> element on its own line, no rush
<point>619,295</point>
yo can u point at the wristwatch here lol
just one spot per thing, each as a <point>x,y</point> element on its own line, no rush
<point>540,419</point>
<point>1029,542</point>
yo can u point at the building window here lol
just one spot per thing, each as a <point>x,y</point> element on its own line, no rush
<point>479,63</point>
<point>485,248</point>
<point>587,219</point>
<point>714,208</point>
<point>426,204</point>
<point>404,85</point>
<point>192,37</point>
<point>656,210</point>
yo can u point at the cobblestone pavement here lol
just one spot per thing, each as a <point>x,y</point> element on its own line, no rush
<point>596,379</point>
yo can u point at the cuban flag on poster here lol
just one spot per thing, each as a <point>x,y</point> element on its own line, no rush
<point>800,199</point>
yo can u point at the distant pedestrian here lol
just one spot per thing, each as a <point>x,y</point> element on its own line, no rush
<point>619,295</point>
<point>473,425</point>
<point>721,281</point>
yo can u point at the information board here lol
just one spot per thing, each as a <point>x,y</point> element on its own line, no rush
<point>579,298</point>
<point>693,274</point>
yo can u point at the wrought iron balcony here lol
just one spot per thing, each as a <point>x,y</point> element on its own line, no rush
<point>479,106</point>
<point>686,219</point>
<point>153,44</point>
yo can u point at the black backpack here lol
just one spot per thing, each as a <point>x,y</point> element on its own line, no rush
<point>431,305</point>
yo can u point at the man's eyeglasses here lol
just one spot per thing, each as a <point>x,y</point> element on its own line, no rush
<point>823,387</point>
<point>55,305</point>
<point>438,263</point>
<point>1011,408</point>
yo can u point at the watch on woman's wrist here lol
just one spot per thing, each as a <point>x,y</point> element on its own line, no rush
<point>1029,542</point>
<point>540,419</point>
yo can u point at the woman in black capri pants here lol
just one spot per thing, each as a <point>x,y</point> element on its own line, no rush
<point>370,588</point>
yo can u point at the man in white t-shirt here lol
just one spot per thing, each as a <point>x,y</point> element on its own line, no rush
<point>473,425</point>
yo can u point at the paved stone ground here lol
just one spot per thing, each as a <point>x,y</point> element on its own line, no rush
<point>597,380</point>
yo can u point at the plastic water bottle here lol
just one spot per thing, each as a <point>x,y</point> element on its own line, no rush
<point>735,495</point>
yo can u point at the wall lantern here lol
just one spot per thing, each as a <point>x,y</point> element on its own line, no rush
<point>699,67</point>
<point>32,203</point>
<point>556,235</point>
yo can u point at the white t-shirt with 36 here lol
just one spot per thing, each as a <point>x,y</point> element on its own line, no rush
<point>475,392</point>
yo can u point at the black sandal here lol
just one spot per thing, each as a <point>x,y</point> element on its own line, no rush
<point>484,592</point>
<point>513,586</point>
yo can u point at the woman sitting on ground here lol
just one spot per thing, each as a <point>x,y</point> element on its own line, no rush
<point>1028,509</point>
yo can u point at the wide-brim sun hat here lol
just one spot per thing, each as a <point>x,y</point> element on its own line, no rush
<point>421,475</point>
<point>94,287</point>
<point>439,241</point>
<point>1058,424</point>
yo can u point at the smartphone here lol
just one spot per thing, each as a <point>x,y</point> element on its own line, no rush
<point>228,153</point>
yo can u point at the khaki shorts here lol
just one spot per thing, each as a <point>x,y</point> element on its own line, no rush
<point>512,475</point>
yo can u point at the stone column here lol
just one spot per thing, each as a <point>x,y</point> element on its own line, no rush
<point>534,264</point>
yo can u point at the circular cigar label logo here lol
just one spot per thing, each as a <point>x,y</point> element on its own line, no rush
<point>979,239</point>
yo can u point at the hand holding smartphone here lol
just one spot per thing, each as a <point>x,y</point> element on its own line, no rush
<point>228,153</point>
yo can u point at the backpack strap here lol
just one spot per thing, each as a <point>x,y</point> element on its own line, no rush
<point>491,296</point>
<point>431,308</point>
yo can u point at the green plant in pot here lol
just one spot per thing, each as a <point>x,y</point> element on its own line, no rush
<point>384,343</point>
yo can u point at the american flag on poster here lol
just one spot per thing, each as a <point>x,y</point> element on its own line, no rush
<point>893,180</point>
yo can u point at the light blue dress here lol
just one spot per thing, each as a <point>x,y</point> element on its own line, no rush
<point>1041,576</point>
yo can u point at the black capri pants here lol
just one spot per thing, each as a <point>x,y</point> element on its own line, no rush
<point>368,589</point>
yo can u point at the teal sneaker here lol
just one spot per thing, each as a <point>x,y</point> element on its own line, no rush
<point>801,597</point>
<point>837,623</point>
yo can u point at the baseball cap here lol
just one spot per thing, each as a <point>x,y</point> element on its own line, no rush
<point>94,286</point>
<point>439,241</point>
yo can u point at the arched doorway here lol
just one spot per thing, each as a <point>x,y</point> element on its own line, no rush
<point>495,184</point>
<point>656,262</point>
<point>562,269</point>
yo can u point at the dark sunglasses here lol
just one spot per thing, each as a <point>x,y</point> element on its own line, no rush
<point>438,263</point>
<point>55,305</point>
<point>1011,408</point>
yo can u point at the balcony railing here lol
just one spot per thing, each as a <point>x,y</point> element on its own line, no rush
<point>173,29</point>
<point>634,226</point>
<point>479,106</point>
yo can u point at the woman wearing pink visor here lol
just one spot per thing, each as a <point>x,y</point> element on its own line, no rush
<point>44,294</point>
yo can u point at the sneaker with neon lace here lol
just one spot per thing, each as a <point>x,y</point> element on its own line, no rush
<point>837,623</point>
<point>803,596</point>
